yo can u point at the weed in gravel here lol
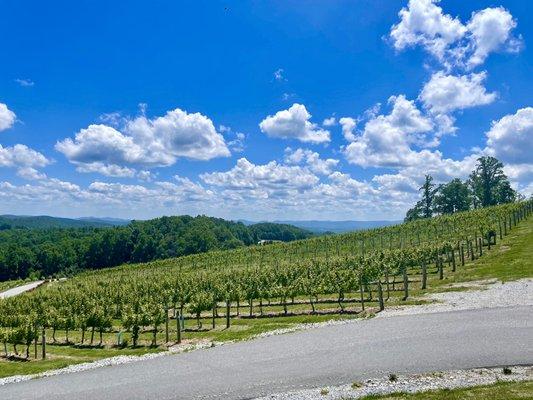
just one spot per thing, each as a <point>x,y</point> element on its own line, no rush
<point>356,385</point>
<point>393,377</point>
<point>507,371</point>
<point>324,392</point>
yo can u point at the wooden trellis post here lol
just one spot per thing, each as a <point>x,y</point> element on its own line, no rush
<point>361,293</point>
<point>405,284</point>
<point>227,314</point>
<point>424,275</point>
<point>380,295</point>
<point>178,327</point>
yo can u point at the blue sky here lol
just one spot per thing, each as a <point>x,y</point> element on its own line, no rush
<point>257,110</point>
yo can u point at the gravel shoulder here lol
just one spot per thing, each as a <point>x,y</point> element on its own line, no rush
<point>410,384</point>
<point>482,294</point>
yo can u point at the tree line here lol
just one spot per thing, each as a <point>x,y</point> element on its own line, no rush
<point>486,186</point>
<point>63,251</point>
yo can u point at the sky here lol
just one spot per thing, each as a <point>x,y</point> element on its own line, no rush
<point>258,110</point>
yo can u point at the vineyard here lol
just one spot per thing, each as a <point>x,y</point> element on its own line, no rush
<point>164,301</point>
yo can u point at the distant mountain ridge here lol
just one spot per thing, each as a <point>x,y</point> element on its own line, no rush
<point>46,222</point>
<point>319,226</point>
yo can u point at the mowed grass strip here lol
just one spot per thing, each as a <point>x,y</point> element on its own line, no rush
<point>498,391</point>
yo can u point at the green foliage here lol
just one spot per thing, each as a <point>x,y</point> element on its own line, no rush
<point>452,197</point>
<point>487,186</point>
<point>58,251</point>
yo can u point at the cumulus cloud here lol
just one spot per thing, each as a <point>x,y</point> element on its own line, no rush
<point>21,157</point>
<point>423,23</point>
<point>386,139</point>
<point>446,93</point>
<point>144,142</point>
<point>331,121</point>
<point>311,159</point>
<point>348,126</point>
<point>104,197</point>
<point>510,139</point>
<point>106,169</point>
<point>265,179</point>
<point>7,117</point>
<point>490,30</point>
<point>31,174</point>
<point>294,123</point>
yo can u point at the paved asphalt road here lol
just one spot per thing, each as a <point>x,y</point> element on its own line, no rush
<point>20,289</point>
<point>313,358</point>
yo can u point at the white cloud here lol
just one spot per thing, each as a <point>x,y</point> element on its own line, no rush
<point>510,139</point>
<point>144,143</point>
<point>235,140</point>
<point>106,169</point>
<point>396,182</point>
<point>348,126</point>
<point>25,82</point>
<point>7,117</point>
<point>490,30</point>
<point>450,41</point>
<point>31,174</point>
<point>386,139</point>
<point>446,93</point>
<point>331,121</point>
<point>265,179</point>
<point>423,23</point>
<point>146,176</point>
<point>311,159</point>
<point>278,75</point>
<point>21,156</point>
<point>294,124</point>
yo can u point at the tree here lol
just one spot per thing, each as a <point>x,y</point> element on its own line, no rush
<point>423,208</point>
<point>489,184</point>
<point>452,197</point>
<point>414,213</point>
<point>428,195</point>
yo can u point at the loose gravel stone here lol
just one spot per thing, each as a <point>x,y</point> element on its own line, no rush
<point>409,384</point>
<point>516,293</point>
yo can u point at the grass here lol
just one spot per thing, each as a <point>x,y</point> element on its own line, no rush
<point>498,391</point>
<point>60,355</point>
<point>63,356</point>
<point>510,259</point>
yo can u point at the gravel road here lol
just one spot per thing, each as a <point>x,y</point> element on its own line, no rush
<point>326,356</point>
<point>20,289</point>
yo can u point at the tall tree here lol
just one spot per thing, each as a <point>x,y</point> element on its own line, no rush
<point>489,184</point>
<point>452,197</point>
<point>424,207</point>
<point>428,196</point>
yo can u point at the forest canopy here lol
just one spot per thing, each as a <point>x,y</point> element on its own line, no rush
<point>61,251</point>
<point>486,186</point>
